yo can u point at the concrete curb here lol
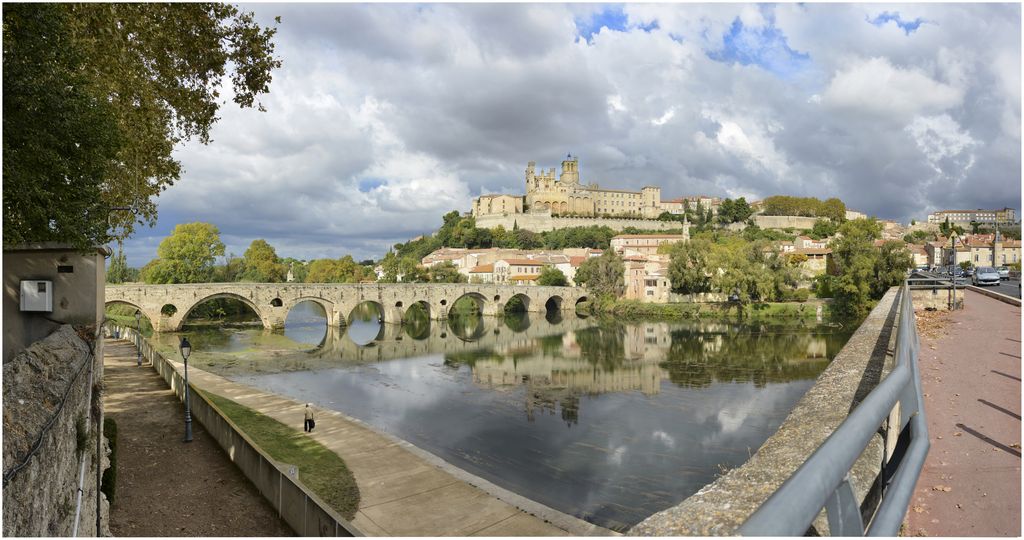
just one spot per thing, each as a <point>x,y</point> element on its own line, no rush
<point>992,294</point>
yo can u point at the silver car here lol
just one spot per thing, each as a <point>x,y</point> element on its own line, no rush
<point>986,275</point>
<point>1004,272</point>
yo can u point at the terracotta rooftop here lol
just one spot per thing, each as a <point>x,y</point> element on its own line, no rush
<point>523,262</point>
<point>482,269</point>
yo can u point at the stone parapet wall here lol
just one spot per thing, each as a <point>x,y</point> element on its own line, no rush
<point>784,222</point>
<point>545,222</point>
<point>49,424</point>
<point>721,507</point>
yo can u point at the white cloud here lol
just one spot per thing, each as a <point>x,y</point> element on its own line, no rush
<point>875,86</point>
<point>941,140</point>
<point>434,104</point>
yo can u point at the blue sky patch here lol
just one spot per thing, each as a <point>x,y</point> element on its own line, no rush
<point>611,17</point>
<point>765,47</point>
<point>894,16</point>
<point>367,185</point>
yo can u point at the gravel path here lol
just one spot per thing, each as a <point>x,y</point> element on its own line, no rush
<point>166,487</point>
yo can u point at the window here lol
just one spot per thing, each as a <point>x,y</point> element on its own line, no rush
<point>650,293</point>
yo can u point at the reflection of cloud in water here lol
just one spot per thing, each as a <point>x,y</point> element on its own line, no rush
<point>610,437</point>
<point>664,438</point>
<point>616,456</point>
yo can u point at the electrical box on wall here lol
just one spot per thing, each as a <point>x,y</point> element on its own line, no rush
<point>37,295</point>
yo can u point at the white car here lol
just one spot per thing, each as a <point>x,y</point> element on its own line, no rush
<point>1004,272</point>
<point>986,275</point>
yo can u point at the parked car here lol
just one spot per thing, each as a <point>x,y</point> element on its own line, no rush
<point>969,272</point>
<point>986,275</point>
<point>1004,272</point>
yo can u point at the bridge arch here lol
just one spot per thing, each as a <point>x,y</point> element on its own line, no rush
<point>176,321</point>
<point>326,305</point>
<point>553,303</point>
<point>479,299</point>
<point>361,310</point>
<point>519,302</point>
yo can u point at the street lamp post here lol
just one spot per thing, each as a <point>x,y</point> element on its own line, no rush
<point>186,349</point>
<point>138,330</point>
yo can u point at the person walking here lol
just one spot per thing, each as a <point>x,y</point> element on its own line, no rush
<point>309,423</point>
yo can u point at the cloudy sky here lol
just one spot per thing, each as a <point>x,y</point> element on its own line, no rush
<point>384,117</point>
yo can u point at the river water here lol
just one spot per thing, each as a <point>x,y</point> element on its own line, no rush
<point>606,421</point>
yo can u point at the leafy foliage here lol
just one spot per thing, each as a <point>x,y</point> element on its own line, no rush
<point>731,211</point>
<point>119,271</point>
<point>603,276</point>
<point>862,272</point>
<point>785,205</point>
<point>96,96</point>
<point>186,256</point>
<point>343,270</point>
<point>552,276</point>
<point>261,264</point>
<point>729,263</point>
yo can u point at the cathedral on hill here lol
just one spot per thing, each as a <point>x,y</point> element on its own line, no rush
<point>566,196</point>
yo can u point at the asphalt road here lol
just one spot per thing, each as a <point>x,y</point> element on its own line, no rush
<point>1009,287</point>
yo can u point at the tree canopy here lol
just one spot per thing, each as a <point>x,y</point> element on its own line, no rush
<point>261,264</point>
<point>186,256</point>
<point>552,276</point>
<point>96,96</point>
<point>863,272</point>
<point>785,205</point>
<point>603,276</point>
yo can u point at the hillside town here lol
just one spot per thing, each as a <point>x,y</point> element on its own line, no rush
<point>646,274</point>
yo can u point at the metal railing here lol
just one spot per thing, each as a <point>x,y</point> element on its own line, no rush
<point>823,481</point>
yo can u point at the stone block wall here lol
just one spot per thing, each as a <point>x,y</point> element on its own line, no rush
<point>50,422</point>
<point>545,222</point>
<point>784,222</point>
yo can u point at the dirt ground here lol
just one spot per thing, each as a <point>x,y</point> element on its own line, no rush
<point>166,487</point>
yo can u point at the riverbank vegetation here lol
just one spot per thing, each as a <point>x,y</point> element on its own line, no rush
<point>320,469</point>
<point>748,267</point>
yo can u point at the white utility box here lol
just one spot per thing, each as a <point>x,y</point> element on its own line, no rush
<point>37,295</point>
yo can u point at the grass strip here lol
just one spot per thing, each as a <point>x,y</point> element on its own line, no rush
<point>320,469</point>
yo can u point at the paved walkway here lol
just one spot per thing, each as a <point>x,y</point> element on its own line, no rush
<point>404,490</point>
<point>971,376</point>
<point>166,487</point>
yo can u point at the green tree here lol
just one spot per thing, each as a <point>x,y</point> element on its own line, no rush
<point>186,256</point>
<point>262,265</point>
<point>343,270</point>
<point>823,228</point>
<point>864,273</point>
<point>891,267</point>
<point>446,272</point>
<point>59,137</point>
<point>833,209</point>
<point>688,268</point>
<point>603,276</point>
<point>230,271</point>
<point>118,271</point>
<point>552,276</point>
<point>96,97</point>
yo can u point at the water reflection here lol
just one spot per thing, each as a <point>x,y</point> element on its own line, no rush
<point>603,420</point>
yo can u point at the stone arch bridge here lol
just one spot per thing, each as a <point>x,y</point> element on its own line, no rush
<point>272,301</point>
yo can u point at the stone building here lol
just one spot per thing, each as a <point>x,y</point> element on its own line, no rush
<point>565,195</point>
<point>646,244</point>
<point>1005,216</point>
